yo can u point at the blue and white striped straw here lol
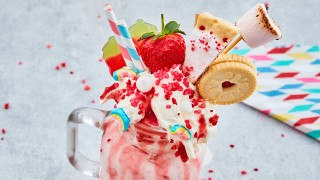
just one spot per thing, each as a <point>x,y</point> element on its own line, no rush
<point>124,31</point>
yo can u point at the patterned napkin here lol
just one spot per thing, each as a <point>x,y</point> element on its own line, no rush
<point>288,85</point>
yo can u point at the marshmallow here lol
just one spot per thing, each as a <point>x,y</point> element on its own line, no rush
<point>257,27</point>
<point>144,83</point>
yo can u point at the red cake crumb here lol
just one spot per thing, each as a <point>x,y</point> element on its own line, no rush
<point>243,172</point>
<point>231,145</point>
<point>83,81</point>
<point>20,62</point>
<point>98,16</point>
<point>282,135</point>
<point>57,68</point>
<point>210,171</point>
<point>6,106</point>
<point>93,101</point>
<point>100,60</point>
<point>71,72</point>
<point>2,139</point>
<point>209,178</point>
<point>256,169</point>
<point>86,87</point>
<point>168,106</point>
<point>3,131</point>
<point>214,120</point>
<point>49,46</point>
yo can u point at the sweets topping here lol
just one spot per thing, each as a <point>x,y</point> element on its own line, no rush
<point>208,38</point>
<point>257,27</point>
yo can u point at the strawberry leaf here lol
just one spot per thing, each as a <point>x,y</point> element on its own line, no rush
<point>146,35</point>
<point>171,27</point>
<point>156,37</point>
<point>179,31</point>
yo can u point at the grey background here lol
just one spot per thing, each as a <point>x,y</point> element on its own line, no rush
<point>41,97</point>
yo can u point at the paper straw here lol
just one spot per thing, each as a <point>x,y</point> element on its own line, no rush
<point>124,31</point>
<point>112,20</point>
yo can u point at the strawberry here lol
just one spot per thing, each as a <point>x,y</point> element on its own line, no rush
<point>164,49</point>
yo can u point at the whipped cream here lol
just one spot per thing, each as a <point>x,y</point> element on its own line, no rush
<point>174,101</point>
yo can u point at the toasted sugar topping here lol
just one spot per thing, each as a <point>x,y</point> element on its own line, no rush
<point>221,28</point>
<point>267,22</point>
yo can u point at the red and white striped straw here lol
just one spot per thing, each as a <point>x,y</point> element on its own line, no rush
<point>112,20</point>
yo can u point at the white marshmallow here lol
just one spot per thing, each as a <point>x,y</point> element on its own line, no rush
<point>144,83</point>
<point>257,27</point>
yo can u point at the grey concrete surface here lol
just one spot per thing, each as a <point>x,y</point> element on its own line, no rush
<point>41,97</point>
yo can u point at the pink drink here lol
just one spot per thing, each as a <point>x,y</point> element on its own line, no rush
<point>143,153</point>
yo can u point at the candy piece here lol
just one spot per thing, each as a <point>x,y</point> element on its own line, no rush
<point>144,83</point>
<point>119,74</point>
<point>208,39</point>
<point>228,82</point>
<point>112,55</point>
<point>182,132</point>
<point>186,107</point>
<point>257,27</point>
<point>122,117</point>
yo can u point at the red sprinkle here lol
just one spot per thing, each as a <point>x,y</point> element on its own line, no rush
<point>256,169</point>
<point>83,81</point>
<point>49,46</point>
<point>20,62</point>
<point>63,64</point>
<point>202,28</point>
<point>231,145</point>
<point>3,131</point>
<point>168,106</point>
<point>71,72</point>
<point>86,87</point>
<point>57,68</point>
<point>225,40</point>
<point>243,172</point>
<point>93,101</point>
<point>210,171</point>
<point>6,106</point>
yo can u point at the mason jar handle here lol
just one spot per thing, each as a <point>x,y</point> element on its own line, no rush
<point>89,116</point>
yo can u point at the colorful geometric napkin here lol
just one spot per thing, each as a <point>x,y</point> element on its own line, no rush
<point>288,85</point>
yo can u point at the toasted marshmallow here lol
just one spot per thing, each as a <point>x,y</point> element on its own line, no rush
<point>257,27</point>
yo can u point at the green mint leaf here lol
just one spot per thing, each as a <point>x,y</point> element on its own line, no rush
<point>171,27</point>
<point>146,35</point>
